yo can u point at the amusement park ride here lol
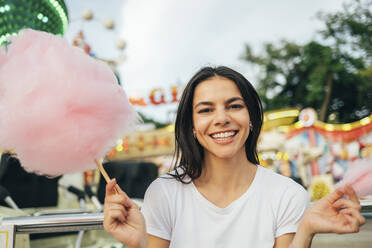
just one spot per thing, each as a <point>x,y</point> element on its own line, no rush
<point>293,142</point>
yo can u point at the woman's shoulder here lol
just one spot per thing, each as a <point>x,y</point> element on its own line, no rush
<point>166,182</point>
<point>164,190</point>
<point>282,189</point>
<point>278,181</point>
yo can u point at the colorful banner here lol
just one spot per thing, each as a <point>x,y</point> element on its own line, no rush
<point>158,96</point>
<point>335,132</point>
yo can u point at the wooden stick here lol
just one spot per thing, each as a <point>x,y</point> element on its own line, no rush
<point>105,175</point>
<point>102,170</point>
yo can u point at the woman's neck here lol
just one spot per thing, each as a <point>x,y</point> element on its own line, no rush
<point>229,173</point>
<point>225,180</point>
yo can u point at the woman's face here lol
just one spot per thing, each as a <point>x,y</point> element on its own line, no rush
<point>220,117</point>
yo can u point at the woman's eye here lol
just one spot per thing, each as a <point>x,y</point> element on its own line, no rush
<point>236,106</point>
<point>205,110</point>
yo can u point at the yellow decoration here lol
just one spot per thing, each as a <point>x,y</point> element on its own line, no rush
<point>338,127</point>
<point>320,186</point>
<point>282,117</point>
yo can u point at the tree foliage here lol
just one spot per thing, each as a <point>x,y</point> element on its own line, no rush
<point>157,124</point>
<point>332,74</point>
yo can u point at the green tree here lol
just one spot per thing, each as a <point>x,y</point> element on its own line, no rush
<point>331,75</point>
<point>351,29</point>
<point>157,124</point>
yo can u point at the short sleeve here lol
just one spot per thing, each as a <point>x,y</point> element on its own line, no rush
<point>156,210</point>
<point>292,205</point>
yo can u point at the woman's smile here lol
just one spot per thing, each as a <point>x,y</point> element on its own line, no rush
<point>224,137</point>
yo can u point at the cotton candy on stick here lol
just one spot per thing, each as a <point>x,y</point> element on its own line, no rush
<point>61,110</point>
<point>359,176</point>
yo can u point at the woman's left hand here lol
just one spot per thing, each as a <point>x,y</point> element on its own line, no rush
<point>334,214</point>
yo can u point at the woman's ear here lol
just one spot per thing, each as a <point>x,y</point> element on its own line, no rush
<point>194,133</point>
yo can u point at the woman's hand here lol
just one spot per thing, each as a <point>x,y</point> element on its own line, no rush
<point>122,218</point>
<point>334,214</point>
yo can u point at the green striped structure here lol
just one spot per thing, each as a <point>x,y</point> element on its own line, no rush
<point>45,15</point>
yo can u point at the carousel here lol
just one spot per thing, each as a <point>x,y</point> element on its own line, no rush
<point>316,154</point>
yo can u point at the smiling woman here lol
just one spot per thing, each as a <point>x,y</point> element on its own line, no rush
<point>236,96</point>
<point>218,195</point>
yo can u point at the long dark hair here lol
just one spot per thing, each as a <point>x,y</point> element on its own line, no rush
<point>189,154</point>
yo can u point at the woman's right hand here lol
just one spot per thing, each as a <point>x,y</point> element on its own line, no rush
<point>334,214</point>
<point>331,214</point>
<point>122,217</point>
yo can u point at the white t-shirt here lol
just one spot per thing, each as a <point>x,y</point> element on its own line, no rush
<point>272,206</point>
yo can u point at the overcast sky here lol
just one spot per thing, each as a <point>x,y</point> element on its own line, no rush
<point>169,40</point>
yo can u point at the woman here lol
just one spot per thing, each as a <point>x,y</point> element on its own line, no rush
<point>218,195</point>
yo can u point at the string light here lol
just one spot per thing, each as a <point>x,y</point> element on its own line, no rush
<point>365,121</point>
<point>119,148</point>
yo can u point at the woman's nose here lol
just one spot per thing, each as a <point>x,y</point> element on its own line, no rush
<point>222,117</point>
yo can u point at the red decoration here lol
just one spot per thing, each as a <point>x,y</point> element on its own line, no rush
<point>152,96</point>
<point>338,136</point>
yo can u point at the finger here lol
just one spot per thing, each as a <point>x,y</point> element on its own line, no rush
<point>116,215</point>
<point>117,207</point>
<point>334,196</point>
<point>116,199</point>
<point>113,188</point>
<point>353,224</point>
<point>345,203</point>
<point>355,214</point>
<point>111,214</point>
<point>128,202</point>
<point>110,187</point>
<point>351,193</point>
<point>362,220</point>
<point>120,191</point>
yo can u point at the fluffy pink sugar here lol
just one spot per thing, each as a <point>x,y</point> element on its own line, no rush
<point>27,38</point>
<point>2,57</point>
<point>359,176</point>
<point>62,109</point>
<point>362,185</point>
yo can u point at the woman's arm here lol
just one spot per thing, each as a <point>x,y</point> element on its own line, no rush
<point>156,242</point>
<point>284,241</point>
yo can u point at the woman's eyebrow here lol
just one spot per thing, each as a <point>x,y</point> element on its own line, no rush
<point>233,99</point>
<point>204,103</point>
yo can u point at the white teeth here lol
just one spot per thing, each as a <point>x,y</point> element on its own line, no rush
<point>223,135</point>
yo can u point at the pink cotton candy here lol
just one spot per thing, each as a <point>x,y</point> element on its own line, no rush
<point>60,109</point>
<point>359,176</point>
<point>2,57</point>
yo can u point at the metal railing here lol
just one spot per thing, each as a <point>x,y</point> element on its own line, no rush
<point>84,221</point>
<point>55,223</point>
